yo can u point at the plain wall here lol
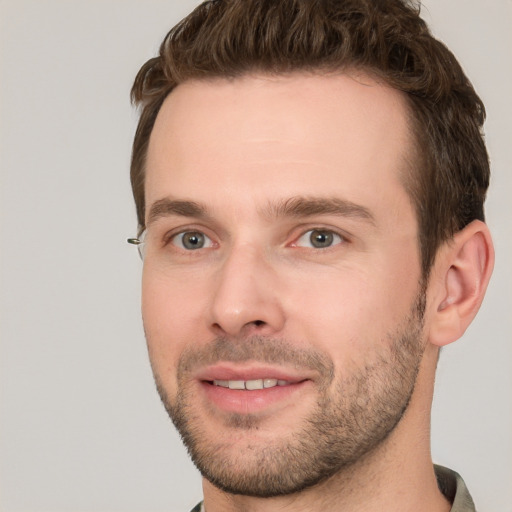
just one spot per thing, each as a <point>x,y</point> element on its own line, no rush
<point>81,427</point>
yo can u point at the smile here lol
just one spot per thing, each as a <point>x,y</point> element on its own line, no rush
<point>251,390</point>
<point>251,385</point>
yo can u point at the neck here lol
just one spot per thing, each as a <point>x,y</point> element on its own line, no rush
<point>397,476</point>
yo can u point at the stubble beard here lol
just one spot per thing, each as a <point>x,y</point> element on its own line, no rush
<point>353,415</point>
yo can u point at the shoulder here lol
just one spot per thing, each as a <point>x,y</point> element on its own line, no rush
<point>453,487</point>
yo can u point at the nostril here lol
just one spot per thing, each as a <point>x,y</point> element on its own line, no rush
<point>258,323</point>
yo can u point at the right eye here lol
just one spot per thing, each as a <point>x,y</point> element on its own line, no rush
<point>191,240</point>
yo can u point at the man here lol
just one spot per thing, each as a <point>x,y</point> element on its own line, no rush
<point>309,179</point>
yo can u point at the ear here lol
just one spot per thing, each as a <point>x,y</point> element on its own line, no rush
<point>461,274</point>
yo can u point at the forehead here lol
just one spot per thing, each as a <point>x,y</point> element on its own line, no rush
<point>262,136</point>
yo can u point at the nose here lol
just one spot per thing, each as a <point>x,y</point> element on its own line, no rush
<point>246,296</point>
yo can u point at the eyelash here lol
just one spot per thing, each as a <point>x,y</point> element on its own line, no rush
<point>197,232</point>
<point>337,239</point>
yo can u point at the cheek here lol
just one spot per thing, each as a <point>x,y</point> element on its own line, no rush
<point>173,313</point>
<point>333,312</point>
<point>349,313</point>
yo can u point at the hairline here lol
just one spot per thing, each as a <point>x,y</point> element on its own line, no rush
<point>413,159</point>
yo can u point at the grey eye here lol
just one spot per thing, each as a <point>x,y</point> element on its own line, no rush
<point>319,239</point>
<point>191,240</point>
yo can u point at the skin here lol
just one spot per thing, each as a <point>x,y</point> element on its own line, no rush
<point>242,149</point>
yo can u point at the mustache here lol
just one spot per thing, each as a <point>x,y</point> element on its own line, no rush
<point>260,349</point>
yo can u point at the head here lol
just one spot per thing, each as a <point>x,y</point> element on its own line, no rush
<point>308,174</point>
<point>449,175</point>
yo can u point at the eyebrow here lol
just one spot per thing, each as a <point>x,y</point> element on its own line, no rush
<point>309,206</point>
<point>167,207</point>
<point>298,207</point>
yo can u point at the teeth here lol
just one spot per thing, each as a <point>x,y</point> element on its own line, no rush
<point>254,384</point>
<point>250,384</point>
<point>236,384</point>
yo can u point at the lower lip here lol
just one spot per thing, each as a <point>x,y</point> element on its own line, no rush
<point>249,402</point>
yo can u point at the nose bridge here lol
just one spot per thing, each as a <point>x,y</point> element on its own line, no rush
<point>245,292</point>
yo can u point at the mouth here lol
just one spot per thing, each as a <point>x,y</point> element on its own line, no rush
<point>250,390</point>
<point>251,385</point>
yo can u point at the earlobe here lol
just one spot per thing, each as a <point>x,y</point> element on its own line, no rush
<point>463,272</point>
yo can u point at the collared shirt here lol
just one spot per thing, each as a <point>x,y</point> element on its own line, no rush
<point>453,487</point>
<point>450,484</point>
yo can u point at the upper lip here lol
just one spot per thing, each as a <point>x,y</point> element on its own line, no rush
<point>232,371</point>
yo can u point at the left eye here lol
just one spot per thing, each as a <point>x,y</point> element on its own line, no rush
<point>191,240</point>
<point>319,239</point>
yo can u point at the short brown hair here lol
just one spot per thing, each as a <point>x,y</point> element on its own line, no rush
<point>386,38</point>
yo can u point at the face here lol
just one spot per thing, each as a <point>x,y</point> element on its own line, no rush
<point>281,296</point>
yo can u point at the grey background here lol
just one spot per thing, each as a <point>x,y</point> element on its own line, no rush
<point>81,427</point>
